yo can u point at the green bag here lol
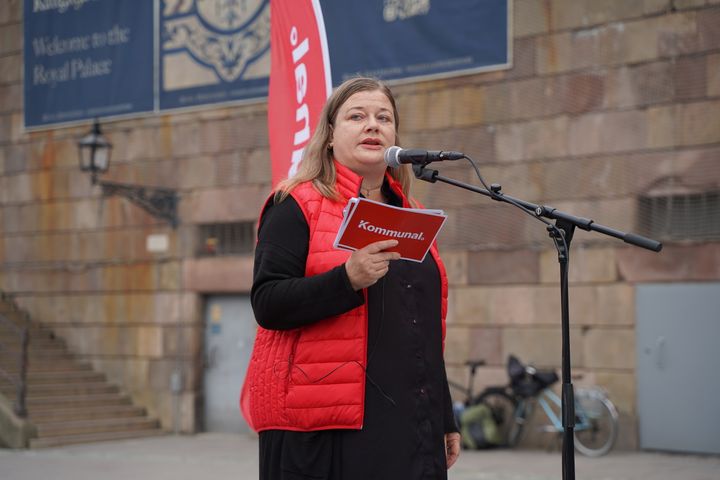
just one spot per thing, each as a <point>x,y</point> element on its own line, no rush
<point>478,428</point>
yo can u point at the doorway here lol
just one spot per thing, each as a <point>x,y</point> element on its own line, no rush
<point>678,328</point>
<point>229,333</point>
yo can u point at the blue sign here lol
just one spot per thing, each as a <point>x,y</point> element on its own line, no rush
<point>415,39</point>
<point>213,51</point>
<point>106,58</point>
<point>87,58</point>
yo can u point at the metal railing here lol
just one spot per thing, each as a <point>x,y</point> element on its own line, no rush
<point>19,381</point>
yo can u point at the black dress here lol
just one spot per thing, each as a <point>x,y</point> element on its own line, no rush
<point>407,401</point>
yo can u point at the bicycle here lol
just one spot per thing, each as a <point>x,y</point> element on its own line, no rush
<point>596,418</point>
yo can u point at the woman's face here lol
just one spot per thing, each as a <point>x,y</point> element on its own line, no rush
<point>364,127</point>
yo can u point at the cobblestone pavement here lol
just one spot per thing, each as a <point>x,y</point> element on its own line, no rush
<point>213,456</point>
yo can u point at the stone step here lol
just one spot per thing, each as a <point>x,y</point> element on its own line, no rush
<point>92,437</point>
<point>37,404</point>
<point>36,354</point>
<point>12,339</point>
<point>65,376</point>
<point>99,425</point>
<point>85,413</point>
<point>64,389</point>
<point>41,366</point>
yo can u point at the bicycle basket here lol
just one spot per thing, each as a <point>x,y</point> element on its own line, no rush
<point>525,384</point>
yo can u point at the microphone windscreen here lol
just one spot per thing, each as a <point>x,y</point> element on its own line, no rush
<point>391,157</point>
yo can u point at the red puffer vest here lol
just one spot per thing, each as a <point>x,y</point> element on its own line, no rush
<point>313,377</point>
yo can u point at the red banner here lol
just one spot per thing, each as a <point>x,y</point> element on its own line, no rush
<point>299,81</point>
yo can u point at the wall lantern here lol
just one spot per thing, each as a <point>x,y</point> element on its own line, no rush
<point>94,153</point>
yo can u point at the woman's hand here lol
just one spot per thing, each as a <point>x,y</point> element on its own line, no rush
<point>369,264</point>
<point>452,448</point>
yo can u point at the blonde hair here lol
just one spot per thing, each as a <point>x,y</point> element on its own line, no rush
<point>317,161</point>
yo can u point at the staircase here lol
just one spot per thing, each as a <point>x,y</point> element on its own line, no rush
<point>66,400</point>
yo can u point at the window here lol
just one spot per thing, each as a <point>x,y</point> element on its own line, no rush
<point>219,239</point>
<point>681,216</point>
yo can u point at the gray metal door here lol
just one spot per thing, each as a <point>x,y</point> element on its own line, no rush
<point>678,368</point>
<point>229,333</point>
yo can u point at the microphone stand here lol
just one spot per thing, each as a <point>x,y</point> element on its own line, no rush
<point>561,234</point>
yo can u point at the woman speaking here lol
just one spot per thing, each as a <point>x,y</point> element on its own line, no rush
<point>347,378</point>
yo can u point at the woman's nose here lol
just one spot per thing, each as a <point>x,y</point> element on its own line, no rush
<point>372,123</point>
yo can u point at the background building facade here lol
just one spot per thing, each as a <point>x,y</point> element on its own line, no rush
<point>610,111</point>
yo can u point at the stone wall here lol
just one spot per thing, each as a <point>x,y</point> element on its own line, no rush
<point>605,99</point>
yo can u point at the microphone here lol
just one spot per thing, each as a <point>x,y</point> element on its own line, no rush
<point>395,156</point>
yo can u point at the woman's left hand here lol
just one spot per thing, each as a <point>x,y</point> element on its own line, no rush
<point>452,448</point>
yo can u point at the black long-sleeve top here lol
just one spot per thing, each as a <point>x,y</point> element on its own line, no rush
<point>407,401</point>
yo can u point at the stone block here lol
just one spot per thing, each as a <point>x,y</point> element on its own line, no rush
<point>11,68</point>
<point>497,103</point>
<point>687,4</point>
<point>199,171</point>
<point>662,126</point>
<point>540,346</point>
<point>621,388</point>
<point>656,6</point>
<point>523,58</point>
<point>185,340</point>
<point>466,107</point>
<point>142,144</point>
<point>11,98</point>
<point>675,263</point>
<point>413,111</point>
<point>535,97</point>
<point>185,139</point>
<point>257,166</point>
<point>499,227</point>
<point>532,140</point>
<point>616,304</point>
<point>700,123</point>
<point>150,341</point>
<point>228,168</point>
<point>610,348</point>
<point>593,265</point>
<point>580,93</point>
<point>218,274</point>
<point>690,78</point>
<point>570,14</point>
<point>713,75</point>
<point>640,85</point>
<point>10,39</point>
<point>502,267</point>
<point>707,29</point>
<point>623,131</point>
<point>456,265</point>
<point>173,308</point>
<point>512,306</point>
<point>5,128</point>
<point>584,135</point>
<point>439,110</point>
<point>485,344</point>
<point>531,17</point>
<point>127,277</point>
<point>620,213</point>
<point>457,344</point>
<point>678,34</point>
<point>10,11</point>
<point>223,204</point>
<point>471,305</point>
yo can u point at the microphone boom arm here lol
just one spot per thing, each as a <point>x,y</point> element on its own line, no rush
<point>432,176</point>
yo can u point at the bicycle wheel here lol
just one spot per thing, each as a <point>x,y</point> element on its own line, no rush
<point>596,423</point>
<point>504,409</point>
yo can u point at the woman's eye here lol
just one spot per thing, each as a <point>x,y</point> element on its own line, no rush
<point>356,116</point>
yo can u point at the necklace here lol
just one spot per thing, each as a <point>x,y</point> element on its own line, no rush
<point>366,191</point>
